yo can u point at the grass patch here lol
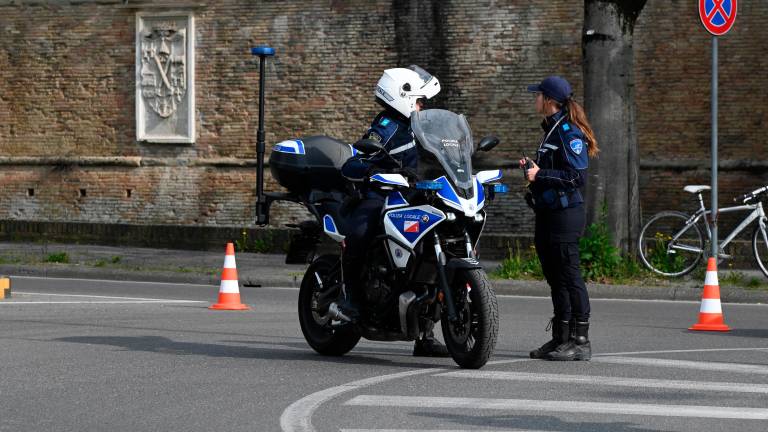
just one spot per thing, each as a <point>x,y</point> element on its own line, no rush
<point>740,279</point>
<point>57,257</point>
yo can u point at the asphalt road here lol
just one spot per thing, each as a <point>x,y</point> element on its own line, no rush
<point>119,356</point>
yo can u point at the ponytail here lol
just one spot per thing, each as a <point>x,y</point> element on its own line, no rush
<point>579,118</point>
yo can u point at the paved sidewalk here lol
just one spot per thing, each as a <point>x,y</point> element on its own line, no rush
<point>204,267</point>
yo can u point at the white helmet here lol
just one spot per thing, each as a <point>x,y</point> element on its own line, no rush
<point>400,88</point>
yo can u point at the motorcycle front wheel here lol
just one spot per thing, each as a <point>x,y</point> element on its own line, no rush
<point>316,324</point>
<point>471,338</point>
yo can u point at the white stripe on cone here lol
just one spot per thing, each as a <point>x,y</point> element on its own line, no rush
<point>711,279</point>
<point>711,306</point>
<point>229,261</point>
<point>229,287</point>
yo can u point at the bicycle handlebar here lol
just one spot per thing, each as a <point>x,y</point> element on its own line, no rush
<point>752,195</point>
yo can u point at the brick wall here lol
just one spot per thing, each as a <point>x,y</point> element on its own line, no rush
<point>67,92</point>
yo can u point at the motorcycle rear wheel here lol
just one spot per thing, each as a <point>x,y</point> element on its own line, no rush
<point>471,339</point>
<point>316,327</point>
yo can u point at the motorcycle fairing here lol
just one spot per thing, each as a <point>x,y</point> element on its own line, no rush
<point>488,176</point>
<point>409,225</point>
<point>390,179</point>
<point>290,146</point>
<point>469,206</point>
<point>329,227</point>
<point>394,200</point>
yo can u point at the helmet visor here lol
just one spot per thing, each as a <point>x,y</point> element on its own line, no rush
<point>425,76</point>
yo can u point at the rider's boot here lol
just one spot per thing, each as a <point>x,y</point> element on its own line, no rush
<point>577,348</point>
<point>557,338</point>
<point>427,346</point>
<point>350,301</point>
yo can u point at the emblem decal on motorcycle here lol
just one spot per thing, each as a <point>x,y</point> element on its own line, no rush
<point>425,218</point>
<point>399,253</point>
<point>411,226</point>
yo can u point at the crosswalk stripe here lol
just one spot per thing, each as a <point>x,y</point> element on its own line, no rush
<point>696,411</point>
<point>610,381</point>
<point>685,364</point>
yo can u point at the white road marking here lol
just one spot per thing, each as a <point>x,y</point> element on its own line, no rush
<point>298,416</point>
<point>546,297</point>
<point>111,281</point>
<point>609,381</point>
<point>440,430</point>
<point>696,411</point>
<point>685,364</point>
<point>677,351</point>
<point>99,302</point>
<point>100,296</point>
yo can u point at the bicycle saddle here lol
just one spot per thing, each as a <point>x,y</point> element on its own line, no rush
<point>696,188</point>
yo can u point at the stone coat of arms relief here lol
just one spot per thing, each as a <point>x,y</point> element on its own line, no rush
<point>163,68</point>
<point>165,77</point>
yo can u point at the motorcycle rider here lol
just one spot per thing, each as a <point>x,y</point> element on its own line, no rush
<point>400,91</point>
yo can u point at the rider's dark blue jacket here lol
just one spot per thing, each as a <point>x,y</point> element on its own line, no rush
<point>393,130</point>
<point>562,160</point>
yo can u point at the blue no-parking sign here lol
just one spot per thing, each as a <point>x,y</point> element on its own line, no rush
<point>717,16</point>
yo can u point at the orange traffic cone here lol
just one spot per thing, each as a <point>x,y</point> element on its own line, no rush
<point>229,292</point>
<point>711,314</point>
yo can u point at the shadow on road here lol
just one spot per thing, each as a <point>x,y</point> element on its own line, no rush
<point>534,422</point>
<point>281,351</point>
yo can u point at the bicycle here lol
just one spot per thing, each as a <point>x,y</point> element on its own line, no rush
<point>671,243</point>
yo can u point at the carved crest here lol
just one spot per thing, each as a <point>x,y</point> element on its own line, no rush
<point>163,67</point>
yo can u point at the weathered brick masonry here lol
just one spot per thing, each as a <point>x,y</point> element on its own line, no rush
<point>67,124</point>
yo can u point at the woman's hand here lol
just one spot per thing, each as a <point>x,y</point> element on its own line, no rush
<point>530,173</point>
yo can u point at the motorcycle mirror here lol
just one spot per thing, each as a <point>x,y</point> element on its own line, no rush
<point>368,146</point>
<point>488,143</point>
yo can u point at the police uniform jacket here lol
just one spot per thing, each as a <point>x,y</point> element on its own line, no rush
<point>393,131</point>
<point>562,160</point>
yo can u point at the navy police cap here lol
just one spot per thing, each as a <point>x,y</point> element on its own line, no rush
<point>553,87</point>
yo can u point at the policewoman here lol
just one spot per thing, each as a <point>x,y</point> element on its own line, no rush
<point>557,179</point>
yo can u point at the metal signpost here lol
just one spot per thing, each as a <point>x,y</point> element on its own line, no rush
<point>261,205</point>
<point>718,17</point>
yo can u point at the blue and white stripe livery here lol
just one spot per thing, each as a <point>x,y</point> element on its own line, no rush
<point>394,200</point>
<point>488,176</point>
<point>409,225</point>
<point>329,226</point>
<point>390,179</point>
<point>290,146</point>
<point>470,207</point>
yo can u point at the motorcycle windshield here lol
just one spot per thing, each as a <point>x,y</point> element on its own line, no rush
<point>446,135</point>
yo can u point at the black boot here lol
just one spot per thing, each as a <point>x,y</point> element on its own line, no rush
<point>577,348</point>
<point>428,346</point>
<point>558,337</point>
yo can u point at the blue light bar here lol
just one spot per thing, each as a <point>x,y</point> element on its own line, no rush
<point>429,185</point>
<point>500,188</point>
<point>263,51</point>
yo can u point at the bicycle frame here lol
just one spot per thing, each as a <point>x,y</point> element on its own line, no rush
<point>757,213</point>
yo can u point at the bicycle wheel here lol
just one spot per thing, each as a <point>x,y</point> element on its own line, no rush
<point>760,248</point>
<point>668,246</point>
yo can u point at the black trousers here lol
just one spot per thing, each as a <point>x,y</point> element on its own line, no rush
<point>557,246</point>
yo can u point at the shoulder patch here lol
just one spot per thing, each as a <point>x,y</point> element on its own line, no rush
<point>374,136</point>
<point>566,127</point>
<point>577,145</point>
<point>384,121</point>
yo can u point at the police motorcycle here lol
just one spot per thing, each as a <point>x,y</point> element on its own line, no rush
<point>422,266</point>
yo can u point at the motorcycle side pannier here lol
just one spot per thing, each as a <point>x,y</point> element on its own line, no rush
<point>309,163</point>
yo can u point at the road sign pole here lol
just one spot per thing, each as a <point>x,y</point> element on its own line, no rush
<point>714,148</point>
